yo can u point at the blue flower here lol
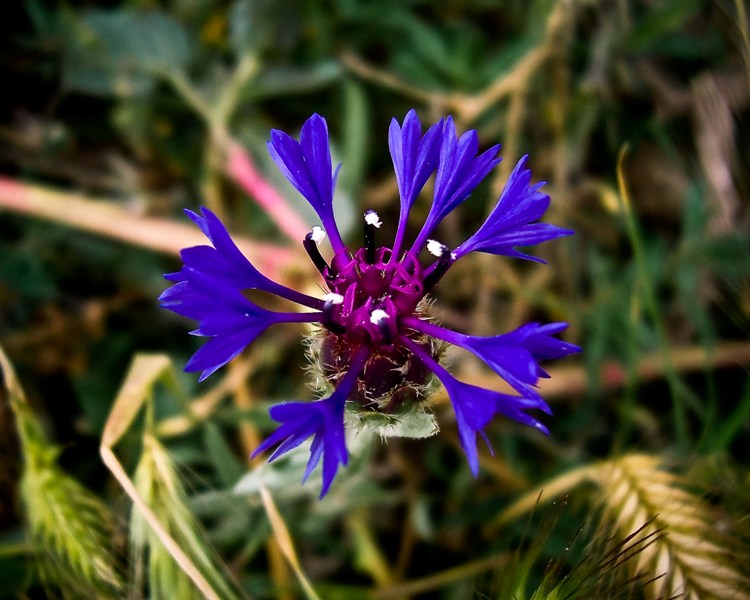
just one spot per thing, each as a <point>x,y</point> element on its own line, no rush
<point>376,346</point>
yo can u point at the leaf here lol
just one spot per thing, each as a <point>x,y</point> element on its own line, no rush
<point>281,80</point>
<point>415,424</point>
<point>282,475</point>
<point>122,52</point>
<point>228,468</point>
<point>667,18</point>
<point>356,139</point>
<point>257,25</point>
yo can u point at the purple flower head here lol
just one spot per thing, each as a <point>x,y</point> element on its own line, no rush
<point>376,347</point>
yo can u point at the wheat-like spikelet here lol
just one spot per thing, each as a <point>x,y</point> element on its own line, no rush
<point>690,557</point>
<point>659,537</point>
<point>69,527</point>
<point>70,530</point>
<point>158,484</point>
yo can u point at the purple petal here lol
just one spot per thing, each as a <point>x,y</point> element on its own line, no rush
<point>307,166</point>
<point>224,263</point>
<point>475,407</point>
<point>514,356</point>
<point>512,222</point>
<point>218,351</point>
<point>224,314</point>
<point>181,299</point>
<point>414,160</point>
<point>459,172</point>
<point>231,320</point>
<point>414,157</point>
<point>316,452</point>
<point>314,144</point>
<point>323,420</point>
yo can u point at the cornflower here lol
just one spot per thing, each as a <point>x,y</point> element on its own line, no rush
<point>376,345</point>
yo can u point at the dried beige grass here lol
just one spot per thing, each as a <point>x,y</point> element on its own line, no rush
<point>172,556</point>
<point>159,485</point>
<point>691,552</point>
<point>694,557</point>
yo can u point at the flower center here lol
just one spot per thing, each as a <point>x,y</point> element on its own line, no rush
<point>371,294</point>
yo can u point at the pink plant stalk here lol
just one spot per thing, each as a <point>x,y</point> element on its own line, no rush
<point>241,168</point>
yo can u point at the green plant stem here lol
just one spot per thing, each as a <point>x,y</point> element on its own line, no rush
<point>679,411</point>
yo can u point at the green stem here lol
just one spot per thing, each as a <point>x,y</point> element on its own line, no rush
<point>652,306</point>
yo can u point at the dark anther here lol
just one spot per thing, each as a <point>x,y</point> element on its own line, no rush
<point>371,223</point>
<point>381,319</point>
<point>328,321</point>
<point>438,269</point>
<point>311,247</point>
<point>385,331</point>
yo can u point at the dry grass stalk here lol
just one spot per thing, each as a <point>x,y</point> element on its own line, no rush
<point>160,488</point>
<point>108,219</point>
<point>164,531</point>
<point>285,542</point>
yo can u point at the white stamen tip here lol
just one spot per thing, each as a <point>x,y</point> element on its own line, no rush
<point>372,218</point>
<point>436,248</point>
<point>378,316</point>
<point>317,234</point>
<point>333,298</point>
